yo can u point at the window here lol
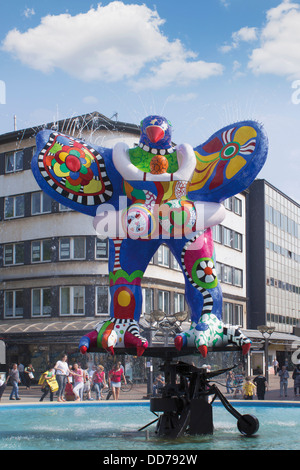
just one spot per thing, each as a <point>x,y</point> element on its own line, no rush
<point>228,204</point>
<point>164,256</point>
<point>227,274</point>
<point>63,208</point>
<point>178,302</point>
<point>102,300</point>
<point>217,233</point>
<point>101,249</point>
<point>147,300</point>
<point>227,236</point>
<point>164,301</point>
<point>237,206</point>
<point>14,207</point>
<point>72,300</point>
<point>219,271</point>
<point>41,251</point>
<point>238,277</point>
<point>176,265</point>
<point>40,203</point>
<point>14,161</point>
<point>72,248</point>
<point>13,303</point>
<point>227,312</point>
<point>41,302</point>
<point>233,314</point>
<point>237,241</point>
<point>13,254</point>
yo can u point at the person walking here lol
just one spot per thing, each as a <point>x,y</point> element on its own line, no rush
<point>261,384</point>
<point>114,378</point>
<point>296,378</point>
<point>14,377</point>
<point>284,376</point>
<point>275,365</point>
<point>77,374</point>
<point>99,381</point>
<point>28,372</point>
<point>229,381</point>
<point>62,371</point>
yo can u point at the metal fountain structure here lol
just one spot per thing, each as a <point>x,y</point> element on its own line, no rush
<point>185,406</point>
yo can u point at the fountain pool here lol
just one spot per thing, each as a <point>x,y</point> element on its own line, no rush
<point>114,426</point>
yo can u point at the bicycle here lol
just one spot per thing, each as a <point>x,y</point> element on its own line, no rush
<point>128,386</point>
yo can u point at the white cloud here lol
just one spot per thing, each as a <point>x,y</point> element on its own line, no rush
<point>245,34</point>
<point>109,43</point>
<point>279,51</point>
<point>28,12</point>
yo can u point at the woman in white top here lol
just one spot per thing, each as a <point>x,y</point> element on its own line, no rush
<point>62,371</point>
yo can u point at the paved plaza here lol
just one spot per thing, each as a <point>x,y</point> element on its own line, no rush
<point>139,392</point>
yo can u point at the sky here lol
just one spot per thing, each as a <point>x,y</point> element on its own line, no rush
<point>202,65</point>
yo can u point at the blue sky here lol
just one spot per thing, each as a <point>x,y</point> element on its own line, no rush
<point>201,64</point>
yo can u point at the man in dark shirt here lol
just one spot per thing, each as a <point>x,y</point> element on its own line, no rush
<point>261,385</point>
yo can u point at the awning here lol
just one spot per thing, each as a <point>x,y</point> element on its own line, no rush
<point>60,329</point>
<point>54,330</point>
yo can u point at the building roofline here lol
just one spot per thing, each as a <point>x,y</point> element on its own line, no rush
<point>279,191</point>
<point>91,121</point>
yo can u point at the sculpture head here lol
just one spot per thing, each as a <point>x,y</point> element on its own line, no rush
<point>156,132</point>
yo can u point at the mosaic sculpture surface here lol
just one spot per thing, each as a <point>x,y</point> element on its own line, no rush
<point>148,195</point>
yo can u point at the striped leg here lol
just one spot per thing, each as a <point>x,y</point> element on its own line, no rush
<point>204,297</point>
<point>128,259</point>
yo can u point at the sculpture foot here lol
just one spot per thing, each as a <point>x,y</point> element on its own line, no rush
<point>203,350</point>
<point>112,334</point>
<point>210,332</point>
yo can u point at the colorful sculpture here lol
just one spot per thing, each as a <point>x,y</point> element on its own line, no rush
<point>151,194</point>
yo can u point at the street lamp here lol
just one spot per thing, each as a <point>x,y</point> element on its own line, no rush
<point>266,331</point>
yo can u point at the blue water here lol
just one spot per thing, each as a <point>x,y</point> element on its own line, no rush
<point>115,427</point>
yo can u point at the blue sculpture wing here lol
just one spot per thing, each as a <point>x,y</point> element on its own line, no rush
<point>75,173</point>
<point>228,162</point>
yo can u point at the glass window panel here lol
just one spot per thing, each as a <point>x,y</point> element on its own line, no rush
<point>148,300</point>
<point>19,160</point>
<point>78,299</point>
<point>46,301</point>
<point>102,300</point>
<point>36,302</point>
<point>237,206</point>
<point>19,303</point>
<point>227,274</point>
<point>238,277</point>
<point>9,207</point>
<point>19,253</point>
<point>46,250</point>
<point>47,202</point>
<point>36,203</point>
<point>79,248</point>
<point>227,236</point>
<point>64,248</point>
<point>101,248</point>
<point>35,252</point>
<point>9,303</point>
<point>19,211</point>
<point>65,301</point>
<point>178,302</point>
<point>9,162</point>
<point>8,254</point>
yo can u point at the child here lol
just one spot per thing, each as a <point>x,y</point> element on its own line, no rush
<point>49,383</point>
<point>248,389</point>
